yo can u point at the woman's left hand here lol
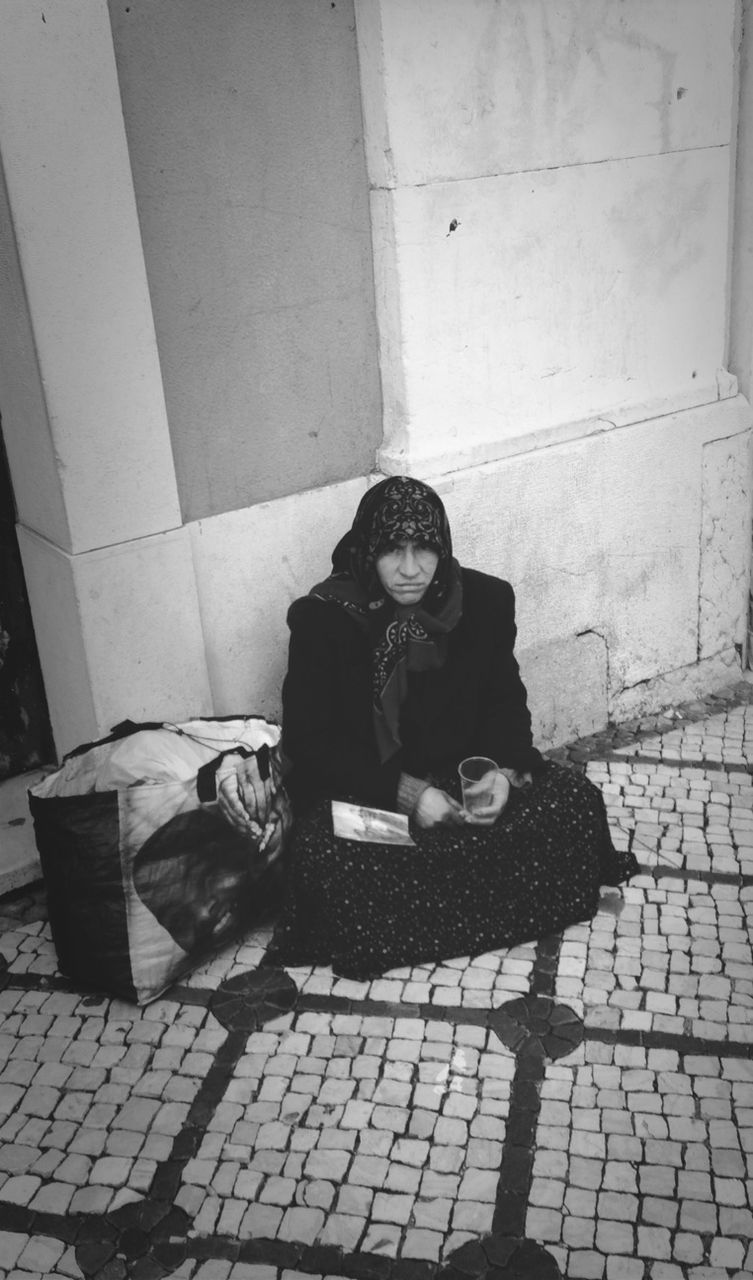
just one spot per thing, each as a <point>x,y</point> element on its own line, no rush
<point>243,796</point>
<point>500,793</point>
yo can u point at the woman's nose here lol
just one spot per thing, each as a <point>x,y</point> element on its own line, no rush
<point>409,565</point>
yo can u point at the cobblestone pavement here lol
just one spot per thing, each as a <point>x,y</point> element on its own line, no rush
<point>577,1107</point>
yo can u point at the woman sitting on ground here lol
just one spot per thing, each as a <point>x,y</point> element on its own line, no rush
<point>401,665</point>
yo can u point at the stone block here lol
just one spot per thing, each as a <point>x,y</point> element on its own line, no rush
<point>502,85</point>
<point>567,687</point>
<point>725,545</point>
<point>635,330</point>
<point>119,634</point>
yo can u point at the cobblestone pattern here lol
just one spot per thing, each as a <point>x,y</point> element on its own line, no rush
<point>582,1107</point>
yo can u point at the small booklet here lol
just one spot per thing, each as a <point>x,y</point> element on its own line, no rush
<point>378,826</point>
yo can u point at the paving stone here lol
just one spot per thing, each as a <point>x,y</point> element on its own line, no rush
<point>41,1254</point>
<point>12,1245</point>
<point>423,1244</point>
<point>624,1269</point>
<point>303,1225</point>
<point>403,1179</point>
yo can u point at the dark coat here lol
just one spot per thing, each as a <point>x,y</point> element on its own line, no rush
<point>475,704</point>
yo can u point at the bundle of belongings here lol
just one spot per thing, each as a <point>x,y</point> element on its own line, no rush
<point>144,876</point>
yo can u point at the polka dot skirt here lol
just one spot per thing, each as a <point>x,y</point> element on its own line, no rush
<point>366,908</point>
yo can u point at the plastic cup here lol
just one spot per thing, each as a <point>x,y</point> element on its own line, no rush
<point>478,775</point>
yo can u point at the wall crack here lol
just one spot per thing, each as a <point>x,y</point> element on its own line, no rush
<point>591,631</point>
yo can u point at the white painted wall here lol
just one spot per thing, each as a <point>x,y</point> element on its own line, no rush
<point>470,88</point>
<point>83,409</point>
<point>741,299</point>
<point>593,292</point>
<point>583,150</point>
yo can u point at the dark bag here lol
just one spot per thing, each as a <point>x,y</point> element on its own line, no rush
<point>144,876</point>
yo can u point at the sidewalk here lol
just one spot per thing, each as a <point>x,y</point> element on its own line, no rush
<point>580,1107</point>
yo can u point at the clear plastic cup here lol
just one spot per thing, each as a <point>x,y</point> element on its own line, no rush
<point>478,775</point>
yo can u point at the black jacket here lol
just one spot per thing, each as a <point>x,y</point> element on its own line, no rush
<point>475,704</point>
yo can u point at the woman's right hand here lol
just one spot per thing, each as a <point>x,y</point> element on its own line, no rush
<point>434,808</point>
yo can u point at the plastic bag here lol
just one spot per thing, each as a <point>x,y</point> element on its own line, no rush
<point>144,876</point>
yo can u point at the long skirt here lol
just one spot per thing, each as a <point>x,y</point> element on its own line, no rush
<point>366,908</point>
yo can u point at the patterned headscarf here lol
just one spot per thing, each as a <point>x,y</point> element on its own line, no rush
<point>403,637</point>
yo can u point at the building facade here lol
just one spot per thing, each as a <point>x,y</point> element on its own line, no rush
<point>254,252</point>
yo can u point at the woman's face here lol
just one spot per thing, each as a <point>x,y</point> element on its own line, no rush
<point>406,571</point>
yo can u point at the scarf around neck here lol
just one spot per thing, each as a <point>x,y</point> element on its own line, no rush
<point>402,638</point>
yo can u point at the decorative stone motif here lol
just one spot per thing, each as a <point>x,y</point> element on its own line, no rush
<point>249,1000</point>
<point>537,1026</point>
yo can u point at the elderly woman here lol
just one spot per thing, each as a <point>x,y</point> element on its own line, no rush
<point>401,665</point>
